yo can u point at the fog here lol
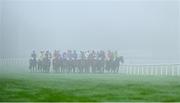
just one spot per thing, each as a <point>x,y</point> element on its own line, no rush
<point>136,28</point>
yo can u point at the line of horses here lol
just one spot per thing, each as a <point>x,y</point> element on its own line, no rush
<point>75,66</point>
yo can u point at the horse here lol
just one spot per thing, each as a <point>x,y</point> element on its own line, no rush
<point>101,65</point>
<point>40,65</point>
<point>108,64</point>
<point>46,65</point>
<point>69,65</point>
<point>56,65</point>
<point>116,63</point>
<point>32,65</point>
<point>63,65</point>
<point>81,66</point>
<point>87,66</point>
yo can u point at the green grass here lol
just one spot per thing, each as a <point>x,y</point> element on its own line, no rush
<point>16,86</point>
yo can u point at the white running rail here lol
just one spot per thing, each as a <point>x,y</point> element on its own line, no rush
<point>150,69</point>
<point>129,69</point>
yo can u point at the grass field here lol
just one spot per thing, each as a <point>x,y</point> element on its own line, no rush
<point>19,86</point>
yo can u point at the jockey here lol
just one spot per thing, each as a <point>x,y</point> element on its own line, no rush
<point>90,56</point>
<point>69,55</point>
<point>56,54</point>
<point>93,54</point>
<point>59,55</point>
<point>87,54</point>
<point>64,55</point>
<point>41,55</point>
<point>33,55</point>
<point>74,55</point>
<point>109,55</point>
<point>98,55</point>
<point>82,55</point>
<point>47,54</point>
<point>102,55</point>
<point>106,56</point>
<point>115,54</point>
<point>112,55</point>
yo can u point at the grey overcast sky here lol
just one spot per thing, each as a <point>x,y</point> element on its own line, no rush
<point>134,27</point>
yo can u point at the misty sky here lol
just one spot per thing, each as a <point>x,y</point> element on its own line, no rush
<point>134,27</point>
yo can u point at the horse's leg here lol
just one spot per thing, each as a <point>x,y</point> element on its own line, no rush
<point>54,67</point>
<point>35,66</point>
<point>63,67</point>
<point>117,69</point>
<point>81,71</point>
<point>88,68</point>
<point>41,67</point>
<point>73,67</point>
<point>30,67</point>
<point>60,67</point>
<point>38,67</point>
<point>48,66</point>
<point>103,67</point>
<point>70,67</point>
